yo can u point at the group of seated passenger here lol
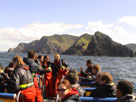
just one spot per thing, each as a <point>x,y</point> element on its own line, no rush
<point>105,87</point>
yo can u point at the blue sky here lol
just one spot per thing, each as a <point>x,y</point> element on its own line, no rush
<point>27,20</point>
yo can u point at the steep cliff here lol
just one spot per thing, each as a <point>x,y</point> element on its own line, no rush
<point>102,45</point>
<point>47,44</point>
<point>79,46</point>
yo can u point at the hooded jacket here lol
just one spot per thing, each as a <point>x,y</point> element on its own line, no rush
<point>127,98</point>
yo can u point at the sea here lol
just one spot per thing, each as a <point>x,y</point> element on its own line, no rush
<point>119,67</point>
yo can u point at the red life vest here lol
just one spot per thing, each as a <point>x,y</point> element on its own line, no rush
<point>72,92</point>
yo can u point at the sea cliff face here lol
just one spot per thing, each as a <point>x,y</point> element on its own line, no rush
<point>103,45</point>
<point>47,44</point>
<point>132,47</point>
<point>98,44</point>
<point>80,45</point>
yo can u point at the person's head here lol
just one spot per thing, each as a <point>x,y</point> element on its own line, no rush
<point>40,57</point>
<point>64,87</point>
<point>46,58</point>
<point>11,64</point>
<point>72,78</point>
<point>18,61</point>
<point>57,57</point>
<point>1,68</point>
<point>35,56</point>
<point>31,54</point>
<point>88,63</point>
<point>73,71</point>
<point>98,77</point>
<point>124,87</point>
<point>96,68</point>
<point>9,68</point>
<point>106,78</point>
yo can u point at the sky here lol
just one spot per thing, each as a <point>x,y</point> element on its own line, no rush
<point>28,20</point>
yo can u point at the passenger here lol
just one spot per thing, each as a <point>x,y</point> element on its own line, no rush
<point>22,81</point>
<point>124,91</point>
<point>73,79</point>
<point>73,71</point>
<point>39,77</point>
<point>97,79</point>
<point>48,81</point>
<point>106,87</point>
<point>9,69</point>
<point>91,76</point>
<point>40,57</point>
<point>35,68</point>
<point>3,79</point>
<point>46,62</point>
<point>57,64</point>
<point>88,70</point>
<point>37,60</point>
<point>58,71</point>
<point>66,93</point>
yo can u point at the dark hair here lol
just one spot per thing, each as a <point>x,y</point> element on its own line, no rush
<point>31,54</point>
<point>72,78</point>
<point>89,62</point>
<point>125,87</point>
<point>40,56</point>
<point>72,71</point>
<point>66,83</point>
<point>11,64</point>
<point>106,76</point>
<point>45,56</point>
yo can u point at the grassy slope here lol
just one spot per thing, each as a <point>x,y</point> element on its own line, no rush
<point>65,41</point>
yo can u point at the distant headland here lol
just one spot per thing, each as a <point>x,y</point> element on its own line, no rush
<point>98,44</point>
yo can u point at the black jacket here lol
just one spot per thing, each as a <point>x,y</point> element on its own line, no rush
<point>21,75</point>
<point>90,77</point>
<point>34,67</point>
<point>72,98</point>
<point>3,80</point>
<point>107,90</point>
<point>127,98</point>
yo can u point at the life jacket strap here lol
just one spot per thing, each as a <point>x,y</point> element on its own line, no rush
<point>24,86</point>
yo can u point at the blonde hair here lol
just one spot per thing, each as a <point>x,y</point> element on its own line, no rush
<point>19,60</point>
<point>56,56</point>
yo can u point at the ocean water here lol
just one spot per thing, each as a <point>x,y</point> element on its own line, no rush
<point>119,67</point>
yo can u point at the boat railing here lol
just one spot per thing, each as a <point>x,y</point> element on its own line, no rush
<point>97,99</point>
<point>83,99</point>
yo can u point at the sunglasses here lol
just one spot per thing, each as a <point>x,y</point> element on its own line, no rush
<point>62,90</point>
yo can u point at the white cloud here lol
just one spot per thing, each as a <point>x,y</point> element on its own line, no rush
<point>123,36</point>
<point>10,37</point>
<point>33,32</point>
<point>6,44</point>
<point>117,32</point>
<point>100,26</point>
<point>52,28</point>
<point>130,20</point>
